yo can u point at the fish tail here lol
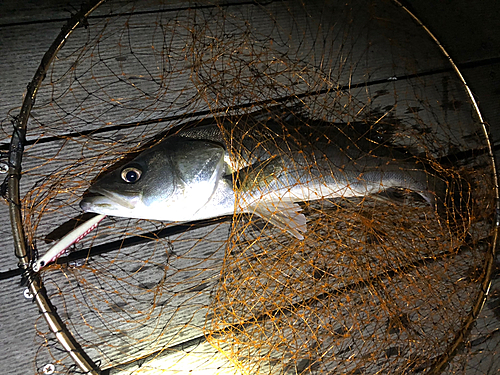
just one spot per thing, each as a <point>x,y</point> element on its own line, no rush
<point>435,194</point>
<point>450,196</point>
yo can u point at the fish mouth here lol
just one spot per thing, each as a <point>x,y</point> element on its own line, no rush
<point>101,198</point>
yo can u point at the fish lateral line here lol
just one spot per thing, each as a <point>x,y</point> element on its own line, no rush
<point>73,237</point>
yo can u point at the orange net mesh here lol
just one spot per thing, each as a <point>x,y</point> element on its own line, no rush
<point>381,283</point>
<point>364,292</point>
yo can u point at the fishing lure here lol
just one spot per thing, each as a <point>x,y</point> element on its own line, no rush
<point>69,239</point>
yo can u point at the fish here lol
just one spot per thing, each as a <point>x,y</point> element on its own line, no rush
<point>262,163</point>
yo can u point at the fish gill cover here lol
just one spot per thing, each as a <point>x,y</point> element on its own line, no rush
<point>383,282</point>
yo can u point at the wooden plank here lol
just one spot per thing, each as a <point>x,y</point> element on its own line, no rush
<point>13,37</point>
<point>201,358</point>
<point>480,355</point>
<point>18,320</point>
<point>102,300</point>
<point>482,80</point>
<point>149,296</point>
<point>361,319</point>
<point>12,12</point>
<point>110,81</point>
<point>21,59</point>
<point>28,12</point>
<point>469,32</point>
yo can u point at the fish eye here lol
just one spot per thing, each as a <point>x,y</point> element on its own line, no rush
<point>131,175</point>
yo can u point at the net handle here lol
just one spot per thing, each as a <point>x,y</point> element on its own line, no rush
<point>25,256</point>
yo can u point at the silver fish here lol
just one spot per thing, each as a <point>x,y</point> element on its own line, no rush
<point>260,163</point>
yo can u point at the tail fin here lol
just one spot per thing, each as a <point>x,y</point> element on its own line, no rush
<point>450,196</point>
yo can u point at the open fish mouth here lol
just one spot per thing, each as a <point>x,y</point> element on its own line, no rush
<point>102,198</point>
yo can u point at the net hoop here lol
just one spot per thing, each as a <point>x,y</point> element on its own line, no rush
<point>26,255</point>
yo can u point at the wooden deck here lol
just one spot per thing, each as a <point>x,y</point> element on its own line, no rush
<point>124,259</point>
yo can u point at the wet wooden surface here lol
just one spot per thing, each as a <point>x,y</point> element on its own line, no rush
<point>26,32</point>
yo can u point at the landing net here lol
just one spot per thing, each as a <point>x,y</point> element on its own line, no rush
<point>382,283</point>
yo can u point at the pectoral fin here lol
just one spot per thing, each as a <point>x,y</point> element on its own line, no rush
<point>283,214</point>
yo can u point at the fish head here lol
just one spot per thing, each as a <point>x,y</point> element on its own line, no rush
<point>170,181</point>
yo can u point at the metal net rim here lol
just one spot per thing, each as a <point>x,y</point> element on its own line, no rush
<point>26,256</point>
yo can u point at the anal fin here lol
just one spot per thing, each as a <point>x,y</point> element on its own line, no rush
<point>284,214</point>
